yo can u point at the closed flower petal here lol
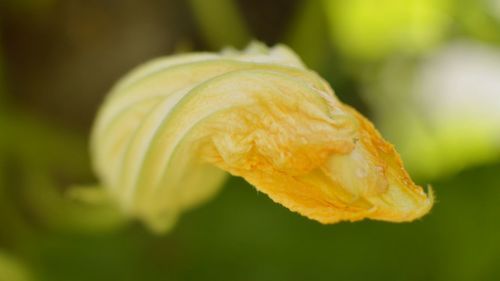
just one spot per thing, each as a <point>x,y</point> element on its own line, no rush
<point>170,132</point>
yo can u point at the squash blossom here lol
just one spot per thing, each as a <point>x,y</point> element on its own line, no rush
<point>171,131</point>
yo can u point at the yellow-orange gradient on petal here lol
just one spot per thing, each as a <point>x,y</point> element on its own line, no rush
<point>170,131</point>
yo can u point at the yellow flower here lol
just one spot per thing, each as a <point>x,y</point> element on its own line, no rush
<point>171,130</point>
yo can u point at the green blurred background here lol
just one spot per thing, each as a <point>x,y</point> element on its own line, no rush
<point>427,72</point>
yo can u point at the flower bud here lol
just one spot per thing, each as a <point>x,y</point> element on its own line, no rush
<point>170,132</point>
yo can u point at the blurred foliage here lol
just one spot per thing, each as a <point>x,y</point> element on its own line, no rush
<point>11,270</point>
<point>58,57</point>
<point>43,170</point>
<point>33,6</point>
<point>479,19</point>
<point>263,241</point>
<point>220,23</point>
<point>306,34</point>
<point>369,30</point>
<point>449,118</point>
